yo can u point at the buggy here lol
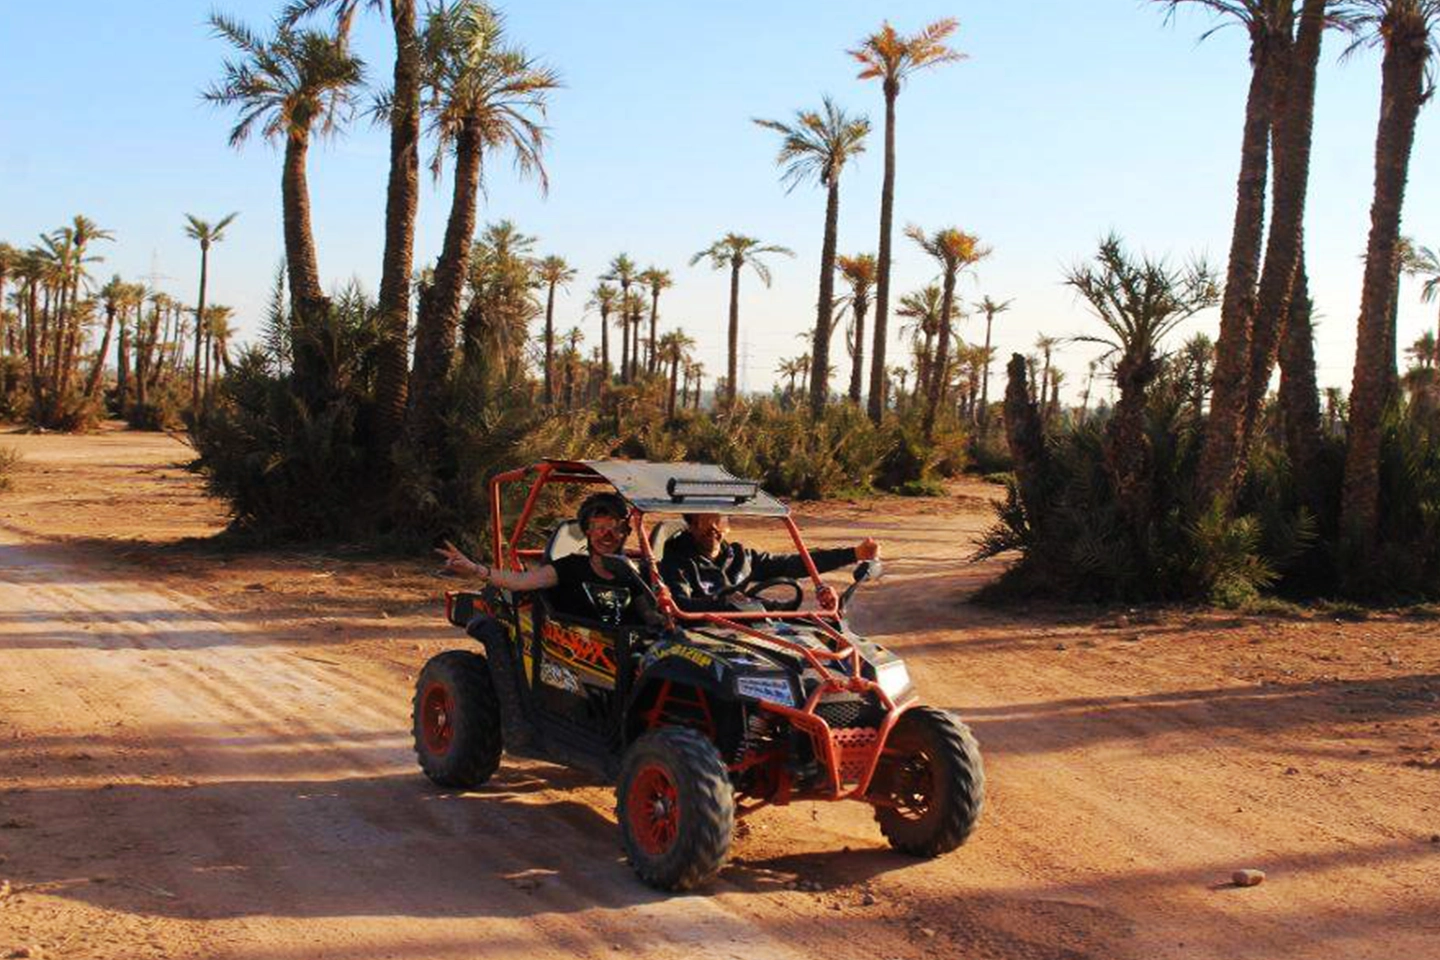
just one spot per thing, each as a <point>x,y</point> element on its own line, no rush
<point>698,718</point>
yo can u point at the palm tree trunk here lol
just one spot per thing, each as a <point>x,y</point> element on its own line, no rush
<point>1219,459</point>
<point>825,308</point>
<point>1401,94</point>
<point>550,346</point>
<point>402,192</point>
<point>122,366</point>
<point>1294,114</point>
<point>93,380</point>
<point>878,379</point>
<point>1299,396</point>
<point>731,386</point>
<point>604,346</point>
<point>939,372</point>
<point>985,377</point>
<point>654,323</point>
<point>1026,439</point>
<point>857,367</point>
<point>308,299</point>
<point>199,327</point>
<point>674,381</point>
<point>440,307</point>
<point>624,344</point>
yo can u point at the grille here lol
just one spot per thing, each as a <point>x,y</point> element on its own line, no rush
<point>842,713</point>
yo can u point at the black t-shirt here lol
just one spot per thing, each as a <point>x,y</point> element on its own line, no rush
<point>581,592</point>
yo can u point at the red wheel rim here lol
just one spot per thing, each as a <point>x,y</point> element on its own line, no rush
<point>653,809</point>
<point>437,718</point>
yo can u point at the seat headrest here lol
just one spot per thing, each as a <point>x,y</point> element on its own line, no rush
<point>661,534</point>
<point>567,539</point>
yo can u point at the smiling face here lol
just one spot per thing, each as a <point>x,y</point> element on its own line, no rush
<point>606,534</point>
<point>708,530</point>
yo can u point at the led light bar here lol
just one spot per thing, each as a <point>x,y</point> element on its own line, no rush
<point>737,490</point>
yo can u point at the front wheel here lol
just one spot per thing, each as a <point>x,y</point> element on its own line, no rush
<point>456,720</point>
<point>930,785</point>
<point>676,808</point>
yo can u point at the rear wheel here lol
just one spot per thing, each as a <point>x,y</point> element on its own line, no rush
<point>676,808</point>
<point>930,785</point>
<point>456,720</point>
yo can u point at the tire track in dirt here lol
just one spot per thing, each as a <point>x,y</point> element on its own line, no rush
<point>345,849</point>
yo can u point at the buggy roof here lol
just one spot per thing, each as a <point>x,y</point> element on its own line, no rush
<point>677,487</point>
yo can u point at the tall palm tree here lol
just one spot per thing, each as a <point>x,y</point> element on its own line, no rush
<point>204,233</point>
<point>990,308</point>
<point>632,308</point>
<point>624,272</point>
<point>292,85</point>
<point>1406,30</point>
<point>1268,23</point>
<point>402,192</point>
<point>218,331</point>
<point>734,251</point>
<point>954,250</point>
<point>859,274</point>
<point>604,298</point>
<point>481,96</point>
<point>892,58</point>
<point>818,145</point>
<point>657,280</point>
<point>554,272</point>
<point>573,338</point>
<point>696,371</point>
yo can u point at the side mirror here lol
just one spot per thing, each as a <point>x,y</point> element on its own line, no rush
<point>869,570</point>
<point>864,570</point>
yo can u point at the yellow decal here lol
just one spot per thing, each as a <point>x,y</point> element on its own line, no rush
<point>577,648</point>
<point>697,657</point>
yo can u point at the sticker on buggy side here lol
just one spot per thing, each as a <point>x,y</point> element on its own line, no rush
<point>563,678</point>
<point>572,647</point>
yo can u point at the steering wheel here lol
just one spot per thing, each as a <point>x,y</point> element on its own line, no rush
<point>753,591</point>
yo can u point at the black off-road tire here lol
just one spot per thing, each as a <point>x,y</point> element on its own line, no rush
<point>936,785</point>
<point>456,720</point>
<point>676,808</point>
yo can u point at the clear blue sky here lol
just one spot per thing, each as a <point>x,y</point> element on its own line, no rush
<point>1068,119</point>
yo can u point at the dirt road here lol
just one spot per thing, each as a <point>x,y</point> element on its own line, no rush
<point>206,754</point>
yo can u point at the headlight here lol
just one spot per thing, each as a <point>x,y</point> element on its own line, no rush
<point>892,677</point>
<point>774,689</point>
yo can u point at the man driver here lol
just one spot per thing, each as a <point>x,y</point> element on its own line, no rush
<point>700,564</point>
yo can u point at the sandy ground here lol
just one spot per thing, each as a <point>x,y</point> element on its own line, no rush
<point>206,754</point>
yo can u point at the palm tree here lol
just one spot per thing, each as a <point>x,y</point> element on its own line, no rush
<point>1406,29</point>
<point>696,373</point>
<point>1045,345</point>
<point>1139,303</point>
<point>291,85</point>
<point>674,347</point>
<point>113,298</point>
<point>402,191</point>
<point>481,96</point>
<point>218,332</point>
<point>891,57</point>
<point>204,233</point>
<point>624,272</point>
<point>603,298</point>
<point>922,307</point>
<point>1268,23</point>
<point>1426,263</point>
<point>818,145</point>
<point>955,250</point>
<point>735,251</point>
<point>632,309</point>
<point>990,308</point>
<point>573,338</point>
<point>553,272</point>
<point>657,280</point>
<point>859,272</point>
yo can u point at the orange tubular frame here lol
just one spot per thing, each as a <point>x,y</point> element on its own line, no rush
<point>831,681</point>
